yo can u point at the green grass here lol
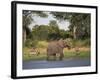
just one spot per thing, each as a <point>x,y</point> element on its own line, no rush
<point>67,54</point>
<point>81,54</point>
<point>34,57</point>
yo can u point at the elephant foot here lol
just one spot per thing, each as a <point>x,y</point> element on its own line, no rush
<point>60,58</point>
<point>47,59</point>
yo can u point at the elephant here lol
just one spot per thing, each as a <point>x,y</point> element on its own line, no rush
<point>56,48</point>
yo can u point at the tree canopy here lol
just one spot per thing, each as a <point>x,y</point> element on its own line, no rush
<point>79,23</point>
<point>28,18</point>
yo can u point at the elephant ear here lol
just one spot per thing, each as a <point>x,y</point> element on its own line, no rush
<point>61,43</point>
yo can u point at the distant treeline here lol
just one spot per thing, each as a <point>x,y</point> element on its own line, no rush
<point>45,32</point>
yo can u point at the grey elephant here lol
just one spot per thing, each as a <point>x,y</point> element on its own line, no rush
<point>56,48</point>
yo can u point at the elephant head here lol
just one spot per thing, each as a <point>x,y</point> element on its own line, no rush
<point>63,44</point>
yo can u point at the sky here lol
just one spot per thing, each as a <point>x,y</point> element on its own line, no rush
<point>45,21</point>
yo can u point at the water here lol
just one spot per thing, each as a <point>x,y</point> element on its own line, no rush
<point>56,64</point>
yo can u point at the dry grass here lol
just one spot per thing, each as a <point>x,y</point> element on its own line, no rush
<point>80,49</point>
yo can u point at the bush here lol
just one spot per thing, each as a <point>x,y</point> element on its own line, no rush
<point>87,42</point>
<point>31,43</point>
<point>42,44</point>
<point>78,42</point>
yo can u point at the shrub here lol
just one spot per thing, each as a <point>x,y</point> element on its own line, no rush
<point>78,42</point>
<point>31,43</point>
<point>42,44</point>
<point>87,42</point>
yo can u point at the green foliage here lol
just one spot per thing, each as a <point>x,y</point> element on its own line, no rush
<point>40,32</point>
<point>28,19</point>
<point>78,42</point>
<point>42,44</point>
<point>79,23</point>
<point>87,42</point>
<point>65,34</point>
<point>27,16</point>
<point>53,23</point>
<point>47,32</point>
<point>31,43</point>
<point>79,29</point>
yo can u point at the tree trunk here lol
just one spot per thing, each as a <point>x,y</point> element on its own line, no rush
<point>24,36</point>
<point>74,32</point>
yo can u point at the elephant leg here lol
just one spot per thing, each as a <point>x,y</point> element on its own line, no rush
<point>48,56</point>
<point>54,55</point>
<point>61,56</point>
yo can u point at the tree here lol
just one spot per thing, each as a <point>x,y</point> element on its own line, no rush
<point>40,32</point>
<point>53,23</point>
<point>54,32</point>
<point>80,23</point>
<point>28,19</point>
